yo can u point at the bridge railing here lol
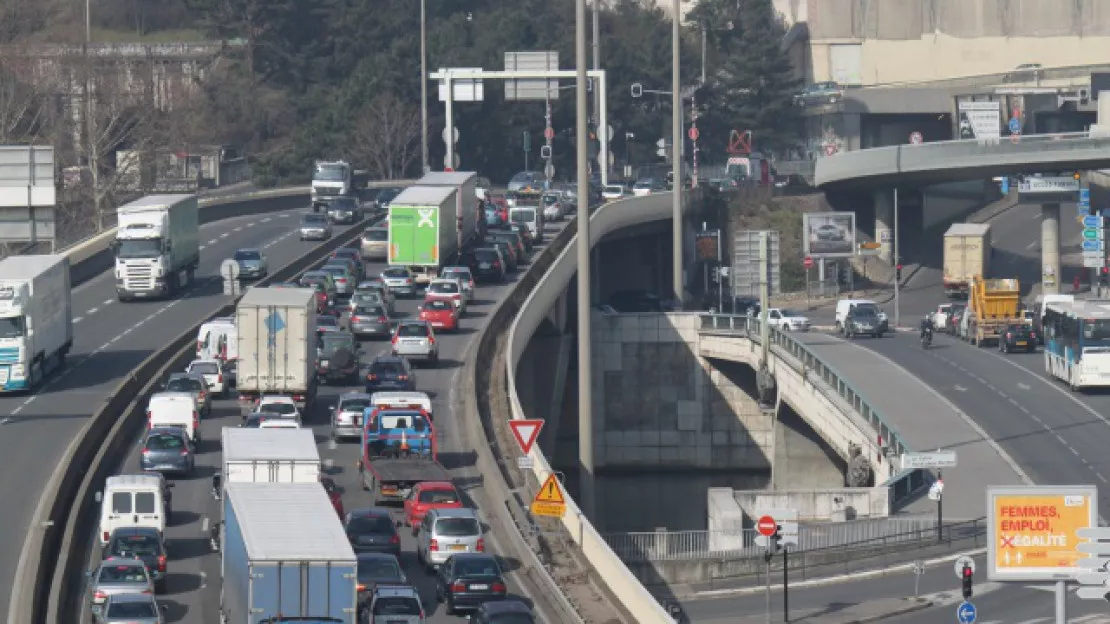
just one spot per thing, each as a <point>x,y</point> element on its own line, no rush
<point>748,327</point>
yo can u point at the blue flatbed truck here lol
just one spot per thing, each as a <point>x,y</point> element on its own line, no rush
<point>285,557</point>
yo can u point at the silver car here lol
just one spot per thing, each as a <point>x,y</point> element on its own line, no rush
<point>315,227</point>
<point>454,531</point>
<point>368,297</point>
<point>375,243</point>
<point>193,383</point>
<point>132,609</point>
<point>346,415</point>
<point>341,274</point>
<point>117,576</point>
<point>252,263</point>
<point>464,277</point>
<point>400,281</point>
<point>396,604</point>
<point>416,340</point>
<point>370,320</point>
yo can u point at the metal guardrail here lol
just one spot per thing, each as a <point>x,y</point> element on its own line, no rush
<point>739,544</point>
<point>749,328</point>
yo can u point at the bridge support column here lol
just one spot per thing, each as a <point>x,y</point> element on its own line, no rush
<point>1050,249</point>
<point>884,221</point>
<point>558,314</point>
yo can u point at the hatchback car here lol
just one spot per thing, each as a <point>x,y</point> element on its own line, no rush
<point>400,281</point>
<point>252,263</point>
<point>344,279</point>
<point>213,373</point>
<point>445,532</point>
<point>509,611</point>
<point>466,580</point>
<point>351,256</point>
<point>647,186</point>
<point>344,210</point>
<point>464,277</point>
<point>862,321</point>
<point>377,284</point>
<point>612,192</point>
<point>168,450</point>
<point>440,314</point>
<point>367,297</point>
<point>194,384</point>
<point>374,243</point>
<point>525,236</point>
<point>507,252</point>
<point>346,415</point>
<point>489,265</point>
<point>449,290</point>
<point>372,530</point>
<point>314,227</point>
<point>370,321</point>
<point>1018,337</point>
<point>553,207</point>
<point>145,544</point>
<point>390,373</point>
<point>416,340</point>
<point>376,569</point>
<point>132,609</point>
<point>516,241</point>
<point>429,495</point>
<point>395,604</point>
<point>117,576</point>
<point>283,406</point>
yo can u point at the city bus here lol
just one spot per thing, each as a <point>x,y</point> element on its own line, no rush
<point>1077,342</point>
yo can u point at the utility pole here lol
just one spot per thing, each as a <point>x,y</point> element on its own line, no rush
<point>678,281</point>
<point>694,139</point>
<point>703,37</point>
<point>424,87</point>
<point>585,373</point>
<point>898,264</point>
<point>90,122</point>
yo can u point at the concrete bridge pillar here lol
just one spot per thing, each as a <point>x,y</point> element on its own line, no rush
<point>558,314</point>
<point>1050,249</point>
<point>884,224</point>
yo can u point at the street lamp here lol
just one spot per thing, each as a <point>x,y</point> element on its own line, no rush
<point>423,87</point>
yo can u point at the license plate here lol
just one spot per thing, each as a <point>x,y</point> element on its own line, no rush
<point>414,341</point>
<point>1020,343</point>
<point>479,587</point>
<point>437,324</point>
<point>323,362</point>
<point>485,265</point>
<point>458,547</point>
<point>389,489</point>
<point>165,467</point>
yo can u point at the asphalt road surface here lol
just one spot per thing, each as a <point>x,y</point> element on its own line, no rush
<point>193,591</point>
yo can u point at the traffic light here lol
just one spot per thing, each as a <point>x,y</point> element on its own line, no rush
<point>774,543</point>
<point>1103,275</point>
<point>967,581</point>
<point>898,272</point>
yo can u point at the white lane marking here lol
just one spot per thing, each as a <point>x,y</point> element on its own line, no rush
<point>251,224</point>
<point>202,247</point>
<point>108,302</point>
<point>6,420</point>
<point>238,229</point>
<point>203,579</point>
<point>959,388</point>
<point>266,220</point>
<point>1025,386</point>
<point>212,242</point>
<point>204,525</point>
<point>224,235</point>
<point>77,319</point>
<point>1033,244</point>
<point>284,214</point>
<point>92,311</point>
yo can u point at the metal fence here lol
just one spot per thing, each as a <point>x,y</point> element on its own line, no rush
<point>665,545</point>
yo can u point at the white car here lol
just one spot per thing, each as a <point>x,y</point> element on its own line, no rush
<point>940,317</point>
<point>787,320</point>
<point>553,207</point>
<point>464,276</point>
<point>278,404</point>
<point>612,191</point>
<point>213,372</point>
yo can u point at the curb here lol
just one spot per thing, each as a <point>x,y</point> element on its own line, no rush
<point>911,608</point>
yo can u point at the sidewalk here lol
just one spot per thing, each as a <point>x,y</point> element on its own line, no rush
<point>868,611</point>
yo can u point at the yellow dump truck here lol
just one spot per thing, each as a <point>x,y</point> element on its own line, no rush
<point>992,305</point>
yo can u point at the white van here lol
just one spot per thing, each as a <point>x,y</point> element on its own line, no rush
<point>174,409</point>
<point>132,500</point>
<point>531,217</point>
<point>402,399</point>
<point>844,305</point>
<point>218,339</point>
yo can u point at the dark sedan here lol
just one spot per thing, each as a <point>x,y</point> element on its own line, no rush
<point>372,530</point>
<point>370,321</point>
<point>142,543</point>
<point>377,569</point>
<point>167,450</point>
<point>467,580</point>
<point>338,358</point>
<point>389,372</point>
<point>1018,337</point>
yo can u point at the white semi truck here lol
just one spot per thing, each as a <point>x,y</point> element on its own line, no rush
<point>36,319</point>
<point>157,247</point>
<point>332,178</point>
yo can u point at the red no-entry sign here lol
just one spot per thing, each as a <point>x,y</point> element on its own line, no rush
<point>808,262</point>
<point>766,526</point>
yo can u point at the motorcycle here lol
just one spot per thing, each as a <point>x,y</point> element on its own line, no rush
<point>926,338</point>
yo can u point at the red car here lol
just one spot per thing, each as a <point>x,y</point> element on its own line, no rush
<point>440,314</point>
<point>334,495</point>
<point>427,496</point>
<point>502,206</point>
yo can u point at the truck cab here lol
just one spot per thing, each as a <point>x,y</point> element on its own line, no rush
<point>389,431</point>
<point>332,178</point>
<point>156,246</point>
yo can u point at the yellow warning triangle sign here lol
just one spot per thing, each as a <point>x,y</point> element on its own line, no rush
<point>551,492</point>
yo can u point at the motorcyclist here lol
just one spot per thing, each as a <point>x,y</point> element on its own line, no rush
<point>927,325</point>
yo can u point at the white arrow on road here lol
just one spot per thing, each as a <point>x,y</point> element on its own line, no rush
<point>959,388</point>
<point>1023,386</point>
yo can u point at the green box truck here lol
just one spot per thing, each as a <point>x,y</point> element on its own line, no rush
<point>423,230</point>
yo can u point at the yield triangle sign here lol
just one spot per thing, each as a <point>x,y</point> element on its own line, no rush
<point>551,492</point>
<point>526,432</point>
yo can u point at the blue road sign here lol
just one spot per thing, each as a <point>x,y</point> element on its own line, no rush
<point>1015,125</point>
<point>1085,195</point>
<point>1092,221</point>
<point>1092,245</point>
<point>1005,185</point>
<point>966,613</point>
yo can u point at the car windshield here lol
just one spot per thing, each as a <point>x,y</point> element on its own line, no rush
<point>412,330</point>
<point>121,610</point>
<point>439,497</point>
<point>614,189</point>
<point>136,546</point>
<point>864,313</point>
<point>397,605</point>
<point>242,255</point>
<point>486,255</point>
<point>327,321</point>
<point>333,343</point>
<point>164,442</point>
<point>330,173</point>
<point>336,271</point>
<point>342,203</point>
<point>457,527</point>
<point>139,248</point>
<point>387,194</point>
<point>550,200</point>
<point>204,368</point>
<point>387,368</point>
<point>457,274</point>
<point>523,216</point>
<point>284,409</point>
<point>122,574</point>
<point>378,568</point>
<point>362,525</point>
<point>354,405</point>
<point>376,235</point>
<point>645,183</point>
<point>477,566</point>
<point>437,305</point>
<point>444,288</point>
<point>184,384</point>
<point>395,273</point>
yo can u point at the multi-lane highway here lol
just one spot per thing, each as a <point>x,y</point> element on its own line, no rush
<point>194,570</point>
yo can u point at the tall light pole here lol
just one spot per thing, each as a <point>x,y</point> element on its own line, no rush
<point>676,147</point>
<point>601,132</point>
<point>585,373</point>
<point>423,87</point>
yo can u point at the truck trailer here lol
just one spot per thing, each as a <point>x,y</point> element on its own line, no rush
<point>277,345</point>
<point>269,456</point>
<point>157,247</point>
<point>423,230</point>
<point>468,208</point>
<point>36,319</point>
<point>285,554</point>
<point>967,253</point>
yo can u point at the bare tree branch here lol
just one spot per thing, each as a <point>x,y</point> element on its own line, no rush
<point>385,137</point>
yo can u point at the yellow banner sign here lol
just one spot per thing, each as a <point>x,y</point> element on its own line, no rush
<point>552,510</point>
<point>1033,531</point>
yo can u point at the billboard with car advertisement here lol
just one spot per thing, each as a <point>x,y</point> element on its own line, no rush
<point>829,234</point>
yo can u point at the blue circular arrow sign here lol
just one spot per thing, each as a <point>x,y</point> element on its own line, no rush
<point>966,613</point>
<point>1015,125</point>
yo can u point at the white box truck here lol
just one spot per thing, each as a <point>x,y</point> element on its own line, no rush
<point>157,247</point>
<point>36,319</point>
<point>469,218</point>
<point>967,254</point>
<point>277,345</point>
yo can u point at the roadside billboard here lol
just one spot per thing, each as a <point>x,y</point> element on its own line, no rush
<point>829,234</point>
<point>1032,531</point>
<point>980,120</point>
